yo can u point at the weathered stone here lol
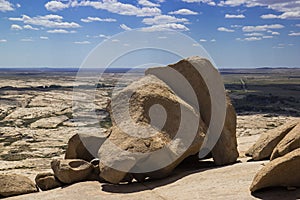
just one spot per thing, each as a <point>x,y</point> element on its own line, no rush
<point>13,184</point>
<point>135,137</point>
<point>265,145</point>
<point>77,146</point>
<point>283,171</point>
<point>225,150</point>
<point>47,181</point>
<point>72,170</point>
<point>48,123</point>
<point>289,143</point>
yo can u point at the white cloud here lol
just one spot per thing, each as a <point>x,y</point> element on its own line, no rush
<point>15,27</point>
<point>253,34</point>
<point>229,16</point>
<point>18,5</point>
<point>97,19</point>
<point>203,40</point>
<point>285,15</point>
<point>164,27</point>
<point>223,29</point>
<point>147,3</point>
<point>262,27</point>
<point>209,2</point>
<point>6,6</point>
<point>82,42</point>
<point>267,37</point>
<point>26,40</point>
<point>236,26</point>
<point>275,33</point>
<point>112,6</point>
<point>164,19</point>
<point>252,39</point>
<point>294,34</point>
<point>213,40</point>
<point>44,38</point>
<point>298,25</point>
<point>231,3</point>
<point>49,21</point>
<point>124,27</point>
<point>60,31</point>
<point>290,9</point>
<point>3,40</point>
<point>30,27</point>
<point>183,11</point>
<point>55,6</point>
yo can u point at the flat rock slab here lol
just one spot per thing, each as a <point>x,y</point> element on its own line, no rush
<point>231,182</point>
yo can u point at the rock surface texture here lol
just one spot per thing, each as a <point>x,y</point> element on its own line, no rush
<point>14,184</point>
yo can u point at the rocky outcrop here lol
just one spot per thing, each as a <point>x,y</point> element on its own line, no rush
<point>289,143</point>
<point>283,171</point>
<point>265,145</point>
<point>225,151</point>
<point>47,181</point>
<point>14,184</point>
<point>71,171</point>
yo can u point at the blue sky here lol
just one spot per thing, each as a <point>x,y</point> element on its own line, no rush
<point>236,33</point>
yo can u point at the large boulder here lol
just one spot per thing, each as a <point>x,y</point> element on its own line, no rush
<point>225,151</point>
<point>265,145</point>
<point>283,171</point>
<point>157,133</point>
<point>289,143</point>
<point>71,170</point>
<point>14,184</point>
<point>47,181</point>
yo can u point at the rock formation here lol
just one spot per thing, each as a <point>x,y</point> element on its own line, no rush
<point>265,145</point>
<point>282,144</point>
<point>283,171</point>
<point>289,143</point>
<point>157,122</point>
<point>152,94</point>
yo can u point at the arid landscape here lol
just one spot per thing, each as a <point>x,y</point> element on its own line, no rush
<point>37,119</point>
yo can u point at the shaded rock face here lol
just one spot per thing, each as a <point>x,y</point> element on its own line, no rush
<point>14,184</point>
<point>225,150</point>
<point>71,170</point>
<point>289,143</point>
<point>47,181</point>
<point>265,145</point>
<point>283,171</point>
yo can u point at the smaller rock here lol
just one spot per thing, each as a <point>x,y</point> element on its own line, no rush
<point>71,170</point>
<point>283,171</point>
<point>265,145</point>
<point>13,184</point>
<point>289,143</point>
<point>47,181</point>
<point>77,147</point>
